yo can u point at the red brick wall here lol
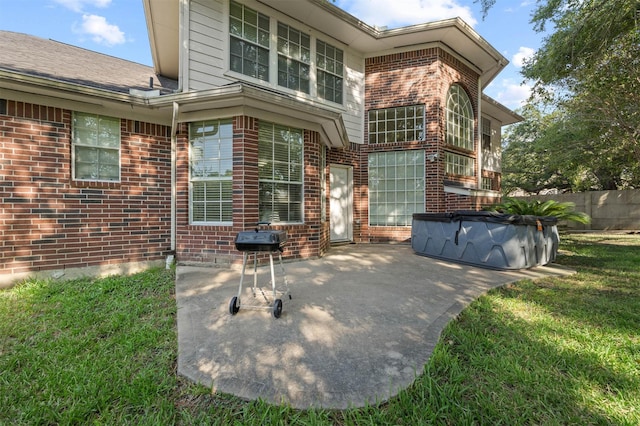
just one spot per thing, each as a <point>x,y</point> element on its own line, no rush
<point>214,244</point>
<point>417,77</point>
<point>458,202</point>
<point>48,221</point>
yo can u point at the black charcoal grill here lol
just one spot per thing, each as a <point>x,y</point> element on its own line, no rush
<point>262,239</point>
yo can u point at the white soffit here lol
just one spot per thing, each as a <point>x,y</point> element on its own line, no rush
<point>163,26</point>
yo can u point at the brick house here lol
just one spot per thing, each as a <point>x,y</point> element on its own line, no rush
<point>295,113</point>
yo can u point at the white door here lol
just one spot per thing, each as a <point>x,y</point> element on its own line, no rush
<point>341,204</point>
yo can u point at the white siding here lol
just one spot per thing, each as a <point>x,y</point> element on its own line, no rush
<point>353,116</point>
<point>208,51</point>
<point>207,41</point>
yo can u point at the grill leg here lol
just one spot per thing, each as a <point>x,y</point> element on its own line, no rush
<point>255,273</point>
<point>273,274</point>
<point>244,265</point>
<point>284,276</point>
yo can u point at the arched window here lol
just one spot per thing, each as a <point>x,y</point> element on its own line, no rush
<point>459,118</point>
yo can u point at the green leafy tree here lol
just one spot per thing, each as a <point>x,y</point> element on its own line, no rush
<point>528,160</point>
<point>588,70</point>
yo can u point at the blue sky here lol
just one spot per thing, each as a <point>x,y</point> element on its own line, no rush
<point>118,28</point>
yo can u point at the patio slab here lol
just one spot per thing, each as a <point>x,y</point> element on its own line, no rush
<point>360,326</point>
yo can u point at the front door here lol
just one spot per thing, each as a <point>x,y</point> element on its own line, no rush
<point>341,204</point>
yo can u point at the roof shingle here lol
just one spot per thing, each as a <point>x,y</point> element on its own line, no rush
<point>36,56</point>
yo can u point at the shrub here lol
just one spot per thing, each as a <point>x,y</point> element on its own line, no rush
<point>562,211</point>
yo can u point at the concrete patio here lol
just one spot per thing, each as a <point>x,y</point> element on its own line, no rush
<point>361,324</point>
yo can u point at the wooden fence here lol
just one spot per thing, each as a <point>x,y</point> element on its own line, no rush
<point>609,210</point>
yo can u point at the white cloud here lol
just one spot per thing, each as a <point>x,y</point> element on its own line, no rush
<point>509,93</point>
<point>100,30</point>
<point>406,12</point>
<point>524,53</point>
<point>79,5</point>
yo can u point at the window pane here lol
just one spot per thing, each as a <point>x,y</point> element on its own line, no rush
<point>211,170</point>
<point>396,187</point>
<point>249,42</point>
<point>280,178</point>
<point>86,171</point>
<point>329,61</point>
<point>459,164</point>
<point>392,125</point>
<point>250,33</point>
<point>108,157</point>
<point>459,118</point>
<point>96,147</point>
<point>293,59</point>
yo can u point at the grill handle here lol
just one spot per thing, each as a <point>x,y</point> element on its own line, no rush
<point>259,224</point>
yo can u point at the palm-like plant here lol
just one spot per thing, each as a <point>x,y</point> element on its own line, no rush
<point>562,211</point>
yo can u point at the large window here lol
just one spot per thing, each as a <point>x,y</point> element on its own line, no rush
<point>249,31</point>
<point>396,187</point>
<point>396,124</point>
<point>96,147</point>
<point>280,161</point>
<point>211,168</point>
<point>294,58</point>
<point>329,60</point>
<point>459,118</point>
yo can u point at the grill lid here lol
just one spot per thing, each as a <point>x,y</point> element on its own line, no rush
<point>260,240</point>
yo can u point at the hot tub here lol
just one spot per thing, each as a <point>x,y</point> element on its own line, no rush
<point>487,239</point>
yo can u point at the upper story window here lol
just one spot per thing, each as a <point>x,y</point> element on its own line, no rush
<point>459,118</point>
<point>249,44</point>
<point>259,45</point>
<point>486,134</point>
<point>294,58</point>
<point>400,124</point>
<point>211,171</point>
<point>330,63</point>
<point>96,147</point>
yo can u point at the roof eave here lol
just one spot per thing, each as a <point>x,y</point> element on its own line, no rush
<point>343,27</point>
<point>162,20</point>
<point>246,99</point>
<point>500,112</point>
<point>29,88</point>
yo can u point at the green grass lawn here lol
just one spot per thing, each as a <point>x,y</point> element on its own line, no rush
<point>554,351</point>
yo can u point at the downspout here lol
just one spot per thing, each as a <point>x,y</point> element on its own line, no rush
<point>479,149</point>
<point>171,258</point>
<point>174,143</point>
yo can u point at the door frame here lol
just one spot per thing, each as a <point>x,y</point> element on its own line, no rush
<point>347,210</point>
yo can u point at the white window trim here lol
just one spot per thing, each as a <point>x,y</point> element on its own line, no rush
<point>302,180</point>
<point>73,152</point>
<point>424,124</point>
<point>423,192</point>
<point>191,180</point>
<point>470,120</point>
